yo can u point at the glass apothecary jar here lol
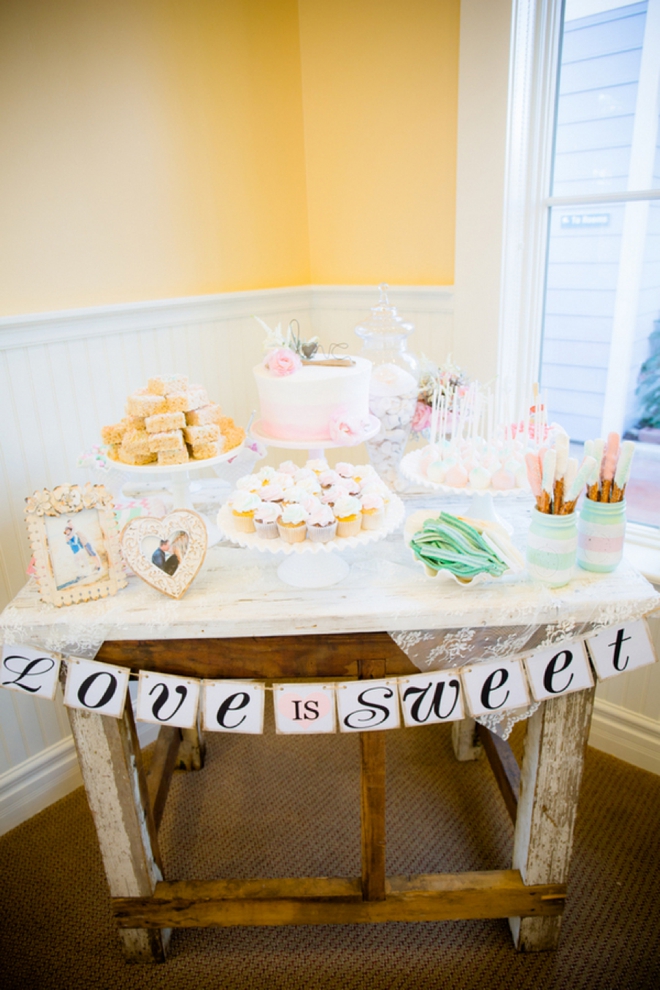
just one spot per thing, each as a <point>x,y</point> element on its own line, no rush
<point>394,385</point>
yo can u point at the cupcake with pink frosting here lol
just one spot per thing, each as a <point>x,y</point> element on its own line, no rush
<point>265,520</point>
<point>329,478</point>
<point>373,511</point>
<point>322,525</point>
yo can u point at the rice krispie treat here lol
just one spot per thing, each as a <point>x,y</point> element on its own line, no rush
<point>167,440</point>
<point>162,422</point>
<point>202,434</point>
<point>166,384</point>
<point>143,404</point>
<point>194,398</point>
<point>203,451</point>
<point>173,456</point>
<point>114,434</point>
<point>137,442</point>
<point>210,413</point>
<point>136,459</point>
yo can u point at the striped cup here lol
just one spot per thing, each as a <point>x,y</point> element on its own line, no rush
<point>551,548</point>
<point>601,529</point>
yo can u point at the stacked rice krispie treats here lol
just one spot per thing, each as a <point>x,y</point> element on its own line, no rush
<point>170,422</point>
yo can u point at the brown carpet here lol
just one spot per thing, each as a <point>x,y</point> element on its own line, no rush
<point>283,806</point>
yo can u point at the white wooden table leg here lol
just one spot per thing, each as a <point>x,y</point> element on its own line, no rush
<point>464,740</point>
<point>549,790</point>
<point>111,767</point>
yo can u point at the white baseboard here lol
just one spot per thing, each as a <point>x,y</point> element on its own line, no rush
<point>34,784</point>
<point>626,735</point>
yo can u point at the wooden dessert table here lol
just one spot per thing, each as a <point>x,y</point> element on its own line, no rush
<point>238,621</point>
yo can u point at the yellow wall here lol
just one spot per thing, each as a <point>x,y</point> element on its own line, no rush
<point>380,94</point>
<point>148,149</point>
<point>160,148</point>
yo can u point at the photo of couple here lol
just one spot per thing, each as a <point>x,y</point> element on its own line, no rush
<point>77,550</point>
<point>170,552</point>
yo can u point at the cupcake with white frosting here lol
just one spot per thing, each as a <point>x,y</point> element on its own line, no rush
<point>321,525</point>
<point>265,520</point>
<point>292,524</point>
<point>373,511</point>
<point>243,506</point>
<point>348,513</point>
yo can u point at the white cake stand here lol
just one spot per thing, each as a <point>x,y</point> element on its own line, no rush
<point>315,453</point>
<point>481,505</point>
<point>308,564</point>
<point>178,476</point>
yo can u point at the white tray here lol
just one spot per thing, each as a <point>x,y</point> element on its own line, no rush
<point>410,467</point>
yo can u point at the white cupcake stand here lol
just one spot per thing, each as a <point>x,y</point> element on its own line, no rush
<point>309,564</point>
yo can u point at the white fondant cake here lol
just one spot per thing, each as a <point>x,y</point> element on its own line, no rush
<point>301,406</point>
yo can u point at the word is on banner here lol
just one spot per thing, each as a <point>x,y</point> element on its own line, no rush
<point>621,648</point>
<point>304,708</point>
<point>167,699</point>
<point>98,687</point>
<point>31,671</point>
<point>233,706</point>
<point>560,669</point>
<point>365,706</point>
<point>494,687</point>
<point>430,698</point>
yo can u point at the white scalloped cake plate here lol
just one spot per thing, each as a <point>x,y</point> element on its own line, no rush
<point>174,468</point>
<point>411,469</point>
<point>394,515</point>
<point>413,524</point>
<point>325,443</point>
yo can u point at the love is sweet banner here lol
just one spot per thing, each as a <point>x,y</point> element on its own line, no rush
<point>346,706</point>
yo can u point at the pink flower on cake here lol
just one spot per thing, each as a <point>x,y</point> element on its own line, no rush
<point>283,362</point>
<point>422,417</point>
<point>346,431</point>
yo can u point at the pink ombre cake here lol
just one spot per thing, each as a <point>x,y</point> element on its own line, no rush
<point>301,405</point>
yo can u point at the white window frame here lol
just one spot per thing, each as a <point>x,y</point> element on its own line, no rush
<point>501,222</point>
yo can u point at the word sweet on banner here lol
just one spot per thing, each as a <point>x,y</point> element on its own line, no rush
<point>98,687</point>
<point>233,706</point>
<point>31,671</point>
<point>304,708</point>
<point>353,706</point>
<point>167,700</point>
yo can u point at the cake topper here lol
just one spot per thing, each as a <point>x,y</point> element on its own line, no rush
<point>307,351</point>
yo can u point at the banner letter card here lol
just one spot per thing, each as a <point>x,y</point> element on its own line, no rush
<point>621,648</point>
<point>167,700</point>
<point>233,706</point>
<point>494,687</point>
<point>304,708</point>
<point>98,687</point>
<point>368,705</point>
<point>32,671</point>
<point>430,698</point>
<point>559,669</point>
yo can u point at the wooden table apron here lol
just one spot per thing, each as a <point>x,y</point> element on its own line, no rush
<point>127,806</point>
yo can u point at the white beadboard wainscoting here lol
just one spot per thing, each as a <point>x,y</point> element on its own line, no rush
<point>63,375</point>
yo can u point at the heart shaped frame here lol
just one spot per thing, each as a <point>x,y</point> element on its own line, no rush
<point>181,520</point>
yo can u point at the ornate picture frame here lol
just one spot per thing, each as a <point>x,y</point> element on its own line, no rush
<point>74,538</point>
<point>167,552</point>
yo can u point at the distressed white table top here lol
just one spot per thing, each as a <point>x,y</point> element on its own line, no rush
<point>238,593</point>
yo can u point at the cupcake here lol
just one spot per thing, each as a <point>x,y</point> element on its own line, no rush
<point>243,506</point>
<point>303,475</point>
<point>292,524</point>
<point>322,525</point>
<point>288,467</point>
<point>348,514</point>
<point>344,469</point>
<point>329,478</point>
<point>317,464</point>
<point>330,496</point>
<point>310,504</point>
<point>294,494</point>
<point>310,485</point>
<point>248,483</point>
<point>266,474</point>
<point>373,512</point>
<point>265,520</point>
<point>272,493</point>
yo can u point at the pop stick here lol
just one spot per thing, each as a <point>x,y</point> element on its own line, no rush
<point>434,414</point>
<point>548,479</point>
<point>622,473</point>
<point>594,479</point>
<point>580,479</point>
<point>609,466</point>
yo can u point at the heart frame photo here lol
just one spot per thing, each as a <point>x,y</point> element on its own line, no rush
<point>166,553</point>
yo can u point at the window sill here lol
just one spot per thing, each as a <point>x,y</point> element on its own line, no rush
<point>643,550</point>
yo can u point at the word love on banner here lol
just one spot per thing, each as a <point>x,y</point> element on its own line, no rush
<point>98,687</point>
<point>167,700</point>
<point>233,706</point>
<point>31,671</point>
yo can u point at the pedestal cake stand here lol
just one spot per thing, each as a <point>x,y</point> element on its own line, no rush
<point>177,475</point>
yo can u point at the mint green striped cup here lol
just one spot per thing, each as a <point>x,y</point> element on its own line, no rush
<point>601,531</point>
<point>551,548</point>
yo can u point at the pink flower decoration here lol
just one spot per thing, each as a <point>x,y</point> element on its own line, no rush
<point>422,417</point>
<point>283,362</point>
<point>346,431</point>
